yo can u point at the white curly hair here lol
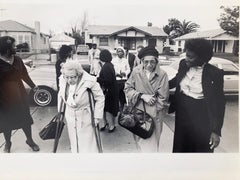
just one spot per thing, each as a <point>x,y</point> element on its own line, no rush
<point>72,65</point>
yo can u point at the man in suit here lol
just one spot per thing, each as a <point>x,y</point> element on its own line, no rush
<point>198,101</point>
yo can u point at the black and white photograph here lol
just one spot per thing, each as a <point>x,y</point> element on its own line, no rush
<point>119,89</point>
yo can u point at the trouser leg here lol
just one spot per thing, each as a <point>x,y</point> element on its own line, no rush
<point>7,136</point>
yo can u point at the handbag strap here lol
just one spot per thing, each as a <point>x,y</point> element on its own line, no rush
<point>137,102</point>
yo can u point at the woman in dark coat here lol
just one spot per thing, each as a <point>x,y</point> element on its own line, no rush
<point>199,100</point>
<point>108,82</point>
<point>64,53</point>
<point>14,109</point>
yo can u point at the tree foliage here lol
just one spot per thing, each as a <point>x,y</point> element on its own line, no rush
<point>78,29</point>
<point>23,47</point>
<point>229,20</point>
<point>176,28</point>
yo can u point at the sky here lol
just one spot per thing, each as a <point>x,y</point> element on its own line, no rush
<point>60,15</point>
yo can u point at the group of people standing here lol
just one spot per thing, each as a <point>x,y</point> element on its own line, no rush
<point>198,101</point>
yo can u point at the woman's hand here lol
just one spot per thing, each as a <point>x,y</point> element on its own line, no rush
<point>35,89</point>
<point>149,99</point>
<point>214,140</point>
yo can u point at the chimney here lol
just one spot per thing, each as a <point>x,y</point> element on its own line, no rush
<point>149,24</point>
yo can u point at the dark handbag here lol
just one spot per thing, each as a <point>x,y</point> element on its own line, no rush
<point>50,130</point>
<point>137,121</point>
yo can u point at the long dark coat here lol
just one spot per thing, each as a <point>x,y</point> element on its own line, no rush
<point>214,106</point>
<point>107,81</point>
<point>14,109</point>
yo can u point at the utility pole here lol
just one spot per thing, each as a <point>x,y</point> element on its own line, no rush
<point>1,10</point>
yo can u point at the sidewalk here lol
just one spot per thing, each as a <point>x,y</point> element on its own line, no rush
<point>120,141</point>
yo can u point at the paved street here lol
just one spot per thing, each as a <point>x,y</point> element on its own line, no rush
<point>121,141</point>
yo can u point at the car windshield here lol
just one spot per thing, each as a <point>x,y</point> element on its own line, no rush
<point>229,69</point>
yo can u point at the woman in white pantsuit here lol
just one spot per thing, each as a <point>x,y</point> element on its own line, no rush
<point>73,84</point>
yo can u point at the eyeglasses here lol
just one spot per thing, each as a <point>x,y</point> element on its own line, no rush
<point>70,77</point>
<point>151,62</point>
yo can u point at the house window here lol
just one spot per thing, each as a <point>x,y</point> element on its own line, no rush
<point>129,43</point>
<point>179,43</point>
<point>103,41</point>
<point>20,39</point>
<point>27,39</point>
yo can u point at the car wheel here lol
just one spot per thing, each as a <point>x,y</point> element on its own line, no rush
<point>43,97</point>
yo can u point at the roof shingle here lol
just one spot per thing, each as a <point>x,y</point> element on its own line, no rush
<point>109,30</point>
<point>10,25</point>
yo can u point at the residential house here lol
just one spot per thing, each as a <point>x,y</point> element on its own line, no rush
<point>221,41</point>
<point>37,41</point>
<point>60,39</point>
<point>110,37</point>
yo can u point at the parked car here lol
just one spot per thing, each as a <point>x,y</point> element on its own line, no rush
<point>231,73</point>
<point>44,77</point>
<point>82,49</point>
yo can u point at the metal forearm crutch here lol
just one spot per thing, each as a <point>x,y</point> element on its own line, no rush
<point>59,120</point>
<point>95,127</point>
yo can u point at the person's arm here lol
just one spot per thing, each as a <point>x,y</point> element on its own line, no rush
<point>220,110</point>
<point>127,69</point>
<point>25,76</point>
<point>130,90</point>
<point>163,92</point>
<point>99,100</point>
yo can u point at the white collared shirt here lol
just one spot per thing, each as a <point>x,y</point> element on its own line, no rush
<point>191,84</point>
<point>121,65</point>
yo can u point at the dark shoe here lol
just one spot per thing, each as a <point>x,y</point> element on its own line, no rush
<point>112,129</point>
<point>103,128</point>
<point>7,147</point>
<point>34,146</point>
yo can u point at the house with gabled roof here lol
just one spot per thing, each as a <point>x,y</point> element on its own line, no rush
<point>222,42</point>
<point>60,39</point>
<point>36,40</point>
<point>110,37</point>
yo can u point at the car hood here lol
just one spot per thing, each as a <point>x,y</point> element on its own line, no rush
<point>45,76</point>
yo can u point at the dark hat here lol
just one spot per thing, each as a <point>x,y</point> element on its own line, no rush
<point>105,56</point>
<point>148,51</point>
<point>6,43</point>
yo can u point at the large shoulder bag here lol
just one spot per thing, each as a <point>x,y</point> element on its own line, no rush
<point>54,128</point>
<point>137,121</point>
<point>49,131</point>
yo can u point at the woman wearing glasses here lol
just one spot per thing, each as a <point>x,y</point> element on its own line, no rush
<point>73,84</point>
<point>150,83</point>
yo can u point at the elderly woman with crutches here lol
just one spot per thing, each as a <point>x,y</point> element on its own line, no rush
<point>75,85</point>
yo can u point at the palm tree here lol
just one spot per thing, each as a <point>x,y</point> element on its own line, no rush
<point>186,27</point>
